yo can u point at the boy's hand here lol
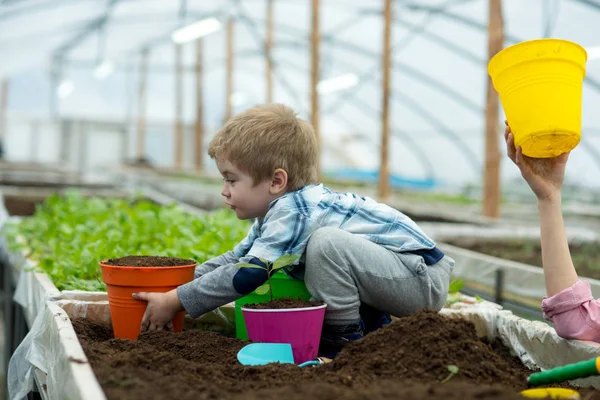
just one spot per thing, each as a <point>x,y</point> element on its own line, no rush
<point>160,311</point>
<point>545,176</point>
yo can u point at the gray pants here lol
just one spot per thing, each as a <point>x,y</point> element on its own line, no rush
<point>344,270</point>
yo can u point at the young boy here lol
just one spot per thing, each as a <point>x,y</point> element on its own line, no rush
<point>569,304</point>
<point>363,259</point>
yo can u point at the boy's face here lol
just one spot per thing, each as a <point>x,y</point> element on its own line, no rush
<point>247,200</point>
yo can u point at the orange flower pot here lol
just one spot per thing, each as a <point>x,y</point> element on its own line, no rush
<point>126,313</point>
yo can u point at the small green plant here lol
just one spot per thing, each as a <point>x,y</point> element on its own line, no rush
<point>70,233</point>
<point>456,285</point>
<point>453,291</point>
<point>453,371</point>
<point>271,268</point>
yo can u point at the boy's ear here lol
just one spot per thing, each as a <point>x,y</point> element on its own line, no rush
<point>279,182</point>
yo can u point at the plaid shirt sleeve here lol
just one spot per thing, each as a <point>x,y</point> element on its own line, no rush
<point>284,231</point>
<point>241,249</point>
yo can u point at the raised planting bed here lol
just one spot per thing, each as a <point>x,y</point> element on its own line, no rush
<point>22,201</point>
<point>586,255</point>
<point>423,356</point>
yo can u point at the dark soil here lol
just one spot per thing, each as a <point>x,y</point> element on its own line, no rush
<point>586,256</point>
<point>149,261</point>
<point>20,206</point>
<point>422,346</point>
<point>405,360</point>
<point>430,218</point>
<point>286,302</point>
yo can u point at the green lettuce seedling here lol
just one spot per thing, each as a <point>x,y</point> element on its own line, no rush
<point>453,371</point>
<point>456,285</point>
<point>271,268</point>
<point>70,233</point>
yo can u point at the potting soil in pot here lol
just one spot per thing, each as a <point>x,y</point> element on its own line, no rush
<point>405,360</point>
<point>149,261</point>
<point>283,303</point>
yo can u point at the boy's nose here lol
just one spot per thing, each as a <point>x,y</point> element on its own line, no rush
<point>225,192</point>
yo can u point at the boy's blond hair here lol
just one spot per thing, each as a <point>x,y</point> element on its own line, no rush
<point>266,137</point>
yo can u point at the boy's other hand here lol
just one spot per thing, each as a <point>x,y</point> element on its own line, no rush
<point>160,311</point>
<point>544,176</point>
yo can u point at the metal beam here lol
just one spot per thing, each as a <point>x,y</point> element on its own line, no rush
<point>95,24</point>
<point>445,43</point>
<point>590,3</point>
<point>30,9</point>
<point>483,28</point>
<point>165,38</point>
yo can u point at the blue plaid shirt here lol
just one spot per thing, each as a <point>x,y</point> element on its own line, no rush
<point>286,229</point>
<point>293,218</point>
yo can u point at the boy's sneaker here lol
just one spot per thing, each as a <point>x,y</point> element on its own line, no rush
<point>334,337</point>
<point>373,319</point>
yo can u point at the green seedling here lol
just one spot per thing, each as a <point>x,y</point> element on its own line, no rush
<point>453,371</point>
<point>271,268</point>
<point>456,285</point>
<point>70,233</point>
<point>453,291</point>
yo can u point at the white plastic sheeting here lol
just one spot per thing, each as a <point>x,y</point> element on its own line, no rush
<point>52,347</point>
<point>534,342</point>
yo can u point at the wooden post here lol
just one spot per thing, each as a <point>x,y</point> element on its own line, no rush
<point>229,88</point>
<point>314,106</point>
<point>268,51</point>
<point>3,109</point>
<point>384,171</point>
<point>141,123</point>
<point>199,128</point>
<point>178,145</point>
<point>491,196</point>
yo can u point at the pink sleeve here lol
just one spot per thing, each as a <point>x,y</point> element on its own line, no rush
<point>574,312</point>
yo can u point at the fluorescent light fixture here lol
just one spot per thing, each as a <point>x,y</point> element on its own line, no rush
<point>238,99</point>
<point>65,89</point>
<point>103,70</point>
<point>196,30</point>
<point>341,82</point>
<point>593,53</point>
